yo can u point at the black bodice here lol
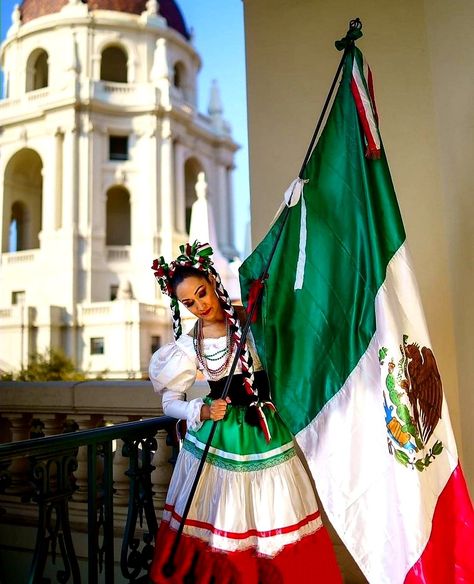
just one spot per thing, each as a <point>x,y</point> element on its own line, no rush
<point>237,393</point>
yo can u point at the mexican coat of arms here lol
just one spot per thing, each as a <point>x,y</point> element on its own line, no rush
<point>413,399</point>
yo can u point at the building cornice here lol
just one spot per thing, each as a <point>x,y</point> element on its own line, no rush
<point>103,19</point>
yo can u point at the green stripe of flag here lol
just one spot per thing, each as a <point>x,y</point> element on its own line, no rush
<point>311,339</point>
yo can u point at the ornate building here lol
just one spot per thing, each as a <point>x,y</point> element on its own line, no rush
<point>101,145</point>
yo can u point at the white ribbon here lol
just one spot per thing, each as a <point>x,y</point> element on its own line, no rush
<point>301,263</point>
<point>293,192</point>
<point>292,196</point>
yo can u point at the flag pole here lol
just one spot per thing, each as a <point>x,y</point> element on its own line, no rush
<point>346,43</point>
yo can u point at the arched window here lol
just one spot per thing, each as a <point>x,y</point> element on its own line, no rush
<point>192,168</point>
<point>22,201</point>
<point>118,226</point>
<point>113,65</point>
<point>37,70</point>
<point>18,223</point>
<point>179,75</point>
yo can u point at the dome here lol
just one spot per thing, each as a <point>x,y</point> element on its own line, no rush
<point>31,9</point>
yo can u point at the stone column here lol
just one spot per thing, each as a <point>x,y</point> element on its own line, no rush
<point>160,477</point>
<point>166,189</point>
<point>84,422</point>
<point>121,480</point>
<point>52,423</point>
<point>20,430</point>
<point>231,208</point>
<point>58,206</point>
<point>220,208</point>
<point>179,190</point>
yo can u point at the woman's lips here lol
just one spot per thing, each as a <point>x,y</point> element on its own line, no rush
<point>206,312</point>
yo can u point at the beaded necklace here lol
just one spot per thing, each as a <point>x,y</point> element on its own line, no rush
<point>198,337</point>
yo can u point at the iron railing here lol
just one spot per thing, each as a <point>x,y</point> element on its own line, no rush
<point>51,463</point>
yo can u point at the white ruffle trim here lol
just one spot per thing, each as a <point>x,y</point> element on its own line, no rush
<point>265,509</point>
<point>194,414</point>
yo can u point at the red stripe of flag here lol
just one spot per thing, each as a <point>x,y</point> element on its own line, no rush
<point>370,85</point>
<point>448,557</point>
<point>372,147</point>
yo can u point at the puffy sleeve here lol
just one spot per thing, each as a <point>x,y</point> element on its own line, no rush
<point>172,372</point>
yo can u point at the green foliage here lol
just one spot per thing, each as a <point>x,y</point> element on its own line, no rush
<point>437,447</point>
<point>424,461</point>
<point>52,365</point>
<point>419,465</point>
<point>402,457</point>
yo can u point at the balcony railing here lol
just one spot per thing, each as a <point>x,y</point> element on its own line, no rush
<point>125,94</point>
<point>82,503</point>
<point>80,498</point>
<point>118,253</point>
<point>35,102</point>
<point>57,473</point>
<point>20,257</point>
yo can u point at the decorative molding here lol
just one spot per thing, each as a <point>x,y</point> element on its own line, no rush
<point>23,136</point>
<point>120,176</point>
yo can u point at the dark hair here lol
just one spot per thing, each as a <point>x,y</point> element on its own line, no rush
<point>181,273</point>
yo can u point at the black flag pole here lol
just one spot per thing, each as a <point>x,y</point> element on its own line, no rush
<point>345,44</point>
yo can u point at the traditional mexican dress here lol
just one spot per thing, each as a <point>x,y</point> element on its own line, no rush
<point>254,517</point>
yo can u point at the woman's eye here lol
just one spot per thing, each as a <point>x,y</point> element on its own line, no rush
<point>188,304</point>
<point>202,294</point>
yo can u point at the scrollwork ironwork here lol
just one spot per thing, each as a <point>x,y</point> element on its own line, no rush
<point>136,559</point>
<point>53,487</point>
<point>51,462</point>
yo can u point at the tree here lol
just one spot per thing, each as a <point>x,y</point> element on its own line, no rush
<point>52,365</point>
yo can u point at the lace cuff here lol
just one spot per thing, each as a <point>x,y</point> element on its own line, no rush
<point>193,417</point>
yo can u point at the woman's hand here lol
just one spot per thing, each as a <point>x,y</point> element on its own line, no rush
<point>216,410</point>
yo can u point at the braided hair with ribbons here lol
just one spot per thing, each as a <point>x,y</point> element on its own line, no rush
<point>197,256</point>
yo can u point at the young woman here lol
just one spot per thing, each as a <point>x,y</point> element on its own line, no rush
<point>254,517</point>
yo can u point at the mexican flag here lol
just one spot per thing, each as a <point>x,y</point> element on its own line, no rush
<point>352,370</point>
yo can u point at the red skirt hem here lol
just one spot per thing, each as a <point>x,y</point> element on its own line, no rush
<point>311,558</point>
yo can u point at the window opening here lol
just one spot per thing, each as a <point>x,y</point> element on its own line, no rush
<point>118,147</point>
<point>97,346</point>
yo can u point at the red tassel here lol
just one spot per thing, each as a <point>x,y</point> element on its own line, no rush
<point>372,154</point>
<point>264,425</point>
<point>254,296</point>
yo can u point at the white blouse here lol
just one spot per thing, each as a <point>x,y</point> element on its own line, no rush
<point>173,369</point>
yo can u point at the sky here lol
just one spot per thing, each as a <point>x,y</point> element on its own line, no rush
<point>219,38</point>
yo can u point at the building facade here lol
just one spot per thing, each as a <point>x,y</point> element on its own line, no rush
<point>101,146</point>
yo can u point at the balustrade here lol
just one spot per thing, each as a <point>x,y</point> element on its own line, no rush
<point>18,472</point>
<point>120,467</point>
<point>21,257</point>
<point>118,253</point>
<point>161,475</point>
<point>125,94</point>
<point>89,483</point>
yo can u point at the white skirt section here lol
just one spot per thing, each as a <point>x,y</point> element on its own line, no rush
<point>264,509</point>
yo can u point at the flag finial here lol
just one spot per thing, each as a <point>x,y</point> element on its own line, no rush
<point>354,33</point>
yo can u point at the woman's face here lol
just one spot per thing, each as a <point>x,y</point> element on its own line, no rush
<point>199,297</point>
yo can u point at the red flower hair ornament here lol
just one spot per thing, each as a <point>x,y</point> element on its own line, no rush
<point>196,255</point>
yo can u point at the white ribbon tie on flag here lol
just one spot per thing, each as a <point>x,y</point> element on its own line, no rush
<point>292,196</point>
<point>301,263</point>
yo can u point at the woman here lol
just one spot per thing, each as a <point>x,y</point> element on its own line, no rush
<point>254,517</point>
